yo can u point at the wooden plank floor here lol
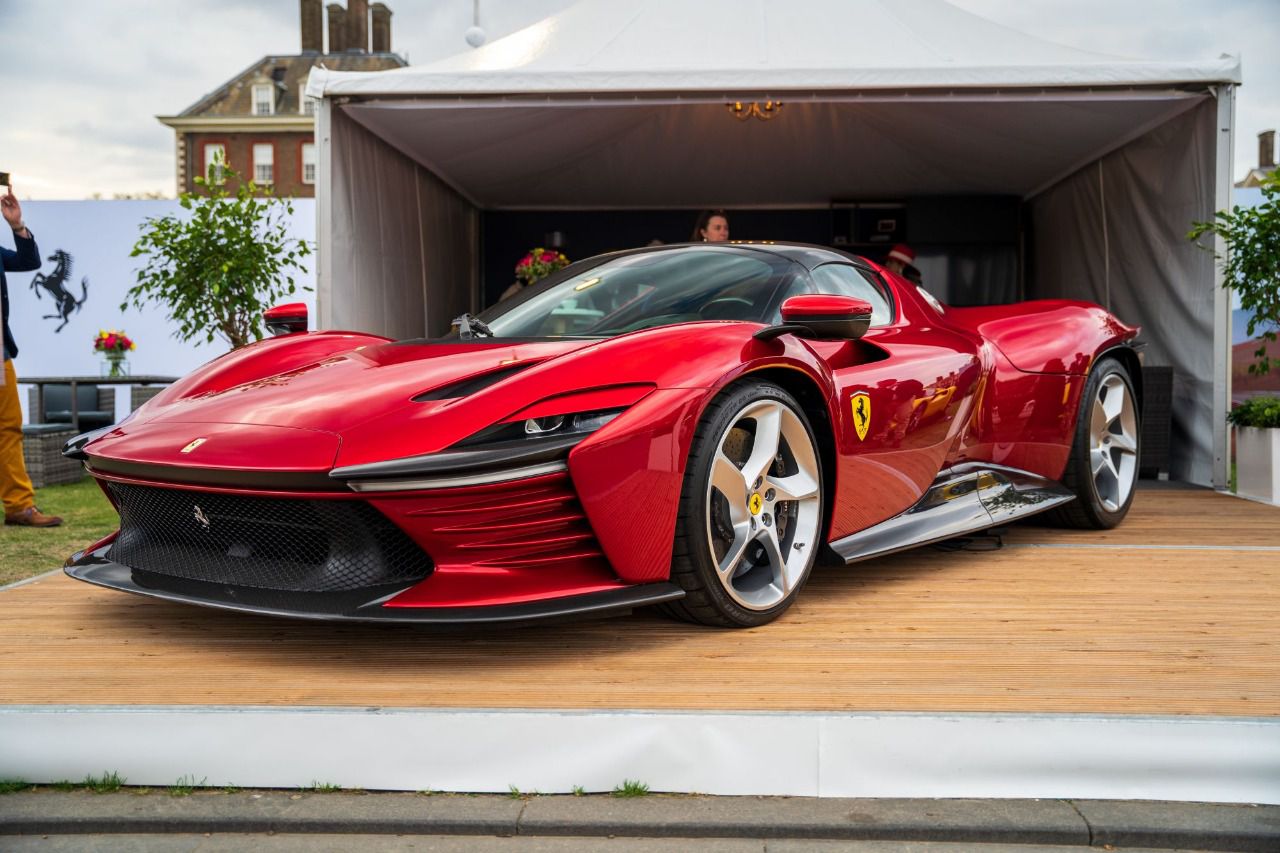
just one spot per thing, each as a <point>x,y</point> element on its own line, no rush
<point>1067,628</point>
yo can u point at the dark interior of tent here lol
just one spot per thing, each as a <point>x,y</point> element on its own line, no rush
<point>968,248</point>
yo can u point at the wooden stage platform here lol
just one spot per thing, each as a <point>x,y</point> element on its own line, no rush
<point>1176,612</point>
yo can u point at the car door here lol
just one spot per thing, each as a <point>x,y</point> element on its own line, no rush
<point>904,391</point>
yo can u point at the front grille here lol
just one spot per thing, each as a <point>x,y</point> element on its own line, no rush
<point>280,544</point>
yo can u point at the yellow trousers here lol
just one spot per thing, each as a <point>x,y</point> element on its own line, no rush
<point>15,485</point>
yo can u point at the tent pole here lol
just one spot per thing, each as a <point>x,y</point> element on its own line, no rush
<point>1221,296</point>
<point>324,216</point>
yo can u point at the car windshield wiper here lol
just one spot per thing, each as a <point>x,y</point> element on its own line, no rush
<point>471,327</point>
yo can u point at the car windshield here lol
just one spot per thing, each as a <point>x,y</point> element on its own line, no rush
<point>648,289</point>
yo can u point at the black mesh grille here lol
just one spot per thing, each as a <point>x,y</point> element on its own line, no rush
<point>262,543</point>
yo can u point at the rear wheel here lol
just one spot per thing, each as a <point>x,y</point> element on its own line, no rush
<point>1103,466</point>
<point>750,510</point>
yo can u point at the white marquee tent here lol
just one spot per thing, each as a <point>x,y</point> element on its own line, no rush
<point>621,104</point>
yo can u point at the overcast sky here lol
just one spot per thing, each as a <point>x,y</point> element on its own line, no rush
<point>84,79</point>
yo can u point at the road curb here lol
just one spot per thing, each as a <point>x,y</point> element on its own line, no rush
<point>1202,826</point>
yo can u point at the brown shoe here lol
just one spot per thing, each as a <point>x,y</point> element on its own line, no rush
<point>32,517</point>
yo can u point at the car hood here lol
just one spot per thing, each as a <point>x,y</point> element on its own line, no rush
<point>336,404</point>
<point>340,391</point>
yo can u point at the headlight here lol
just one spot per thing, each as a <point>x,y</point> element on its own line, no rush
<point>551,426</point>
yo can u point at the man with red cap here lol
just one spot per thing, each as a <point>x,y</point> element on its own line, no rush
<point>899,258</point>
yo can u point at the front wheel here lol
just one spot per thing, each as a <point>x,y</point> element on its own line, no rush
<point>750,510</point>
<point>1103,466</point>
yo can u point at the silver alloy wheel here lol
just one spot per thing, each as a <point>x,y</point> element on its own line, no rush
<point>762,504</point>
<point>1113,443</point>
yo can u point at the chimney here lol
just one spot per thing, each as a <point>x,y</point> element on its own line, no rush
<point>337,28</point>
<point>358,25</point>
<point>1266,149</point>
<point>312,26</point>
<point>381,28</point>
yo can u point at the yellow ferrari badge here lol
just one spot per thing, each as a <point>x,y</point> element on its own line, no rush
<point>861,414</point>
<point>755,504</point>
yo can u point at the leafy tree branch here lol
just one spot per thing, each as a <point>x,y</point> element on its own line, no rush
<point>216,270</point>
<point>1251,266</point>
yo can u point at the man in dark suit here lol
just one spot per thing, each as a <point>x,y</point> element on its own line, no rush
<point>15,486</point>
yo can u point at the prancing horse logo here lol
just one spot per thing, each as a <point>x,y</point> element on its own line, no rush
<point>862,414</point>
<point>201,517</point>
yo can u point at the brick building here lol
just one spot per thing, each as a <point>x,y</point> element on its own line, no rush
<point>1266,161</point>
<point>260,122</point>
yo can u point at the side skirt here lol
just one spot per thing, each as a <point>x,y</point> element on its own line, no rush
<point>964,499</point>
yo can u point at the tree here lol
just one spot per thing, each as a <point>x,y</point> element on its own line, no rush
<point>216,270</point>
<point>1252,264</point>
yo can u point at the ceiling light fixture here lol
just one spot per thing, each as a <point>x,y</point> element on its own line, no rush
<point>742,110</point>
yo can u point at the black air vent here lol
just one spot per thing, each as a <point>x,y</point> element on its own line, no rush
<point>472,384</point>
<point>285,545</point>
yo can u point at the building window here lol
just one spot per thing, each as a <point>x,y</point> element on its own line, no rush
<point>215,161</point>
<point>306,106</point>
<point>264,99</point>
<point>264,156</point>
<point>308,162</point>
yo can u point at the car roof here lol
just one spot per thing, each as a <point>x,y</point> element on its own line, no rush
<point>806,255</point>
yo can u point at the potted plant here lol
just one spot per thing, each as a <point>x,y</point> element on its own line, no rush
<point>1257,423</point>
<point>1251,267</point>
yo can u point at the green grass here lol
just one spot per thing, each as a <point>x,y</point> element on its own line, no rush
<point>186,786</point>
<point>631,788</point>
<point>107,783</point>
<point>13,786</point>
<point>29,551</point>
<point>323,788</point>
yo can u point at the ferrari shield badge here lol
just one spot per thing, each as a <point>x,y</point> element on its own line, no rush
<point>861,414</point>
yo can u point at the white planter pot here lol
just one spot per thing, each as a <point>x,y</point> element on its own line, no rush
<point>1258,463</point>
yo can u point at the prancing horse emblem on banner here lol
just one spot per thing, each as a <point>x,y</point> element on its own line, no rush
<point>861,414</point>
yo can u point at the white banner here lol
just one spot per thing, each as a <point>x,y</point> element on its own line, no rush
<point>56,312</point>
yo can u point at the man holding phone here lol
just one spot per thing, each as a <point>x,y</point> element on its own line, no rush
<point>15,486</point>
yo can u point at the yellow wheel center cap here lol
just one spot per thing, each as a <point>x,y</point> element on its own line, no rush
<point>756,503</point>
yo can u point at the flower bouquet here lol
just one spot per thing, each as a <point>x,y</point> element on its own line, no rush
<point>539,264</point>
<point>115,345</point>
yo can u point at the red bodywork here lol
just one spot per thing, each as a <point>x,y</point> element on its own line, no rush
<point>998,384</point>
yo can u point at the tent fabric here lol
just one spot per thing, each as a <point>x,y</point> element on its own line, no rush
<point>635,155</point>
<point>744,45</point>
<point>402,259</point>
<point>1114,233</point>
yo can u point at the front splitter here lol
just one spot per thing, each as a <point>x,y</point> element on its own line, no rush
<point>94,567</point>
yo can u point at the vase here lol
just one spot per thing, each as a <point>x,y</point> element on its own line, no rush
<point>115,364</point>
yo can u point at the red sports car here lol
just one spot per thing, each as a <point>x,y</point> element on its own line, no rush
<point>690,426</point>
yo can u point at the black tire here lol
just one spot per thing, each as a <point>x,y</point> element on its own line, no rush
<point>709,600</point>
<point>1100,504</point>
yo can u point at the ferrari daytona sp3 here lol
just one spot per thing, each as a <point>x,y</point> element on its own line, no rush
<point>693,427</point>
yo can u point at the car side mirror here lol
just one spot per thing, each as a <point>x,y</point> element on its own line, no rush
<point>286,319</point>
<point>823,316</point>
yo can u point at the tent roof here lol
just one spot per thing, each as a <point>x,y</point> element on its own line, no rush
<point>622,104</point>
<point>613,46</point>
